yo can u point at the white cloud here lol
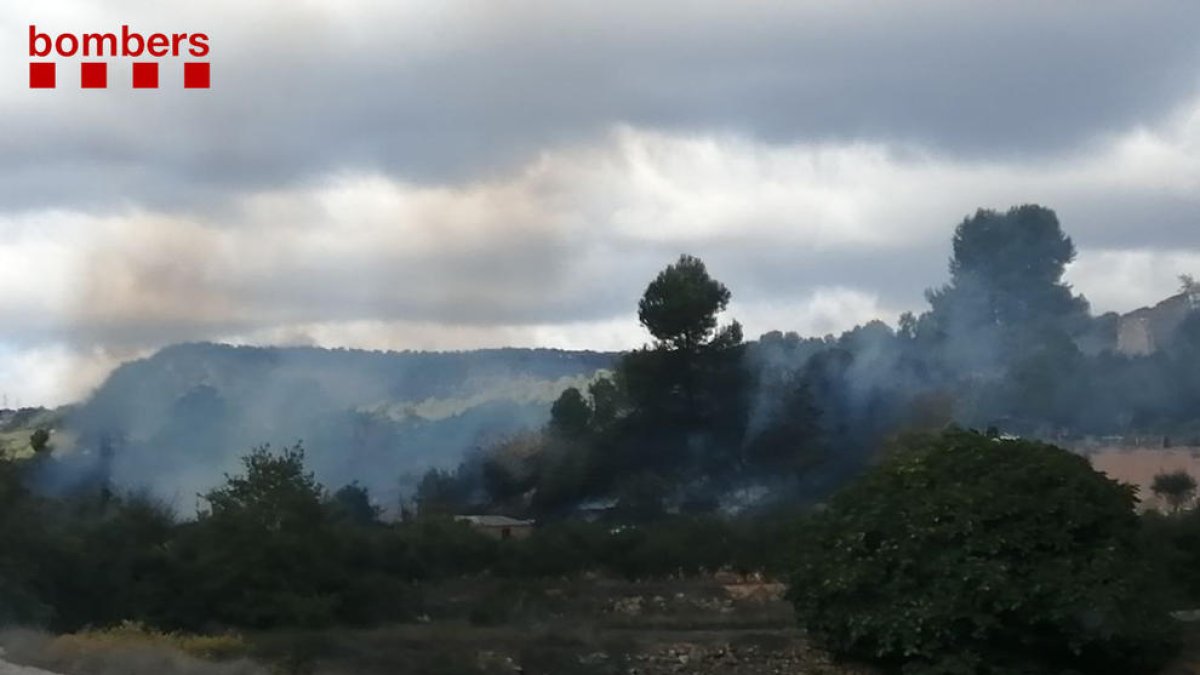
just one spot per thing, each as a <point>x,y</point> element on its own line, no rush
<point>334,211</point>
<point>1122,281</point>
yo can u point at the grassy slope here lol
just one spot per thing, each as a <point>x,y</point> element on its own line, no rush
<point>16,426</point>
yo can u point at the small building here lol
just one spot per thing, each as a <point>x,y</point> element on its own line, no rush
<point>499,527</point>
<point>1151,329</point>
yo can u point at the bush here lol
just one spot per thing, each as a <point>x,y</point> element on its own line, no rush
<point>1175,541</point>
<point>963,553</point>
<point>219,647</point>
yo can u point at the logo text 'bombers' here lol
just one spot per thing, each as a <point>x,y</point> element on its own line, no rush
<point>126,44</point>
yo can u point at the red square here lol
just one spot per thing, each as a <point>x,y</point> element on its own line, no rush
<point>93,75</point>
<point>145,75</point>
<point>41,75</point>
<point>195,75</point>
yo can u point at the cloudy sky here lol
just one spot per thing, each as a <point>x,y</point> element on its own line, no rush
<point>442,174</point>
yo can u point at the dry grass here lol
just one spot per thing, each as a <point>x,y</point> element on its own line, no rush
<point>131,649</point>
<point>133,634</point>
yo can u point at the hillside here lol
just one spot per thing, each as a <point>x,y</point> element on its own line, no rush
<point>175,422</point>
<point>16,427</point>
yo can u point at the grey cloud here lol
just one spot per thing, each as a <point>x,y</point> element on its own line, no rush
<point>1020,79</point>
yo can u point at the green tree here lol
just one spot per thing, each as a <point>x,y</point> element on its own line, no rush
<point>352,504</point>
<point>40,441</point>
<point>606,401</point>
<point>276,492</point>
<point>1008,267</point>
<point>681,305</point>
<point>438,494</point>
<point>1006,296</point>
<point>570,414</point>
<point>22,539</point>
<point>264,552</point>
<point>695,364</point>
<point>1176,488</point>
<point>962,553</point>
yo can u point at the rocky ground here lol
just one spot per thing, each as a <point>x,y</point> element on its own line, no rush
<point>722,625</point>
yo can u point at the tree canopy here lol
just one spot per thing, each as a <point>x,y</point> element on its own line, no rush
<point>965,553</point>
<point>681,304</point>
<point>1176,488</point>
<point>1011,265</point>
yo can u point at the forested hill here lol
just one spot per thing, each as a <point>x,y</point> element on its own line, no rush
<point>175,422</point>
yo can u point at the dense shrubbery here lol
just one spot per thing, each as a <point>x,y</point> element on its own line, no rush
<point>1175,540</point>
<point>273,548</point>
<point>959,553</point>
<point>964,553</point>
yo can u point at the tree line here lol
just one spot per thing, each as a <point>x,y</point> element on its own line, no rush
<point>700,417</point>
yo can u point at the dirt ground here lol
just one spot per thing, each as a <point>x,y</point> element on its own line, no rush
<point>1139,466</point>
<point>725,625</point>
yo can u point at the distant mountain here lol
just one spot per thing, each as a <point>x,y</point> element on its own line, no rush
<point>175,422</point>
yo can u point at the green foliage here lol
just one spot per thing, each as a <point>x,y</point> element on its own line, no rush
<point>1008,267</point>
<point>439,493</point>
<point>1175,543</point>
<point>352,503</point>
<point>606,402</point>
<point>1177,488</point>
<point>681,304</point>
<point>39,440</point>
<point>259,555</point>
<point>963,553</point>
<point>570,415</point>
<point>275,494</point>
<point>21,539</point>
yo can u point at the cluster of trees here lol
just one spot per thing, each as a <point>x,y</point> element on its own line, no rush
<point>669,425</point>
<point>957,552</point>
<point>178,419</point>
<point>699,416</point>
<point>271,547</point>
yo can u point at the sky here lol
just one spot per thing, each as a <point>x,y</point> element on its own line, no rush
<point>439,174</point>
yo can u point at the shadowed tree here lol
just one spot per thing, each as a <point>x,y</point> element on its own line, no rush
<point>352,503</point>
<point>964,553</point>
<point>606,401</point>
<point>40,441</point>
<point>1007,267</point>
<point>680,306</point>
<point>1176,488</point>
<point>570,414</point>
<point>1006,300</point>
<point>262,553</point>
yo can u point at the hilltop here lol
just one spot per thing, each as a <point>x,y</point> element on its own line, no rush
<point>176,421</point>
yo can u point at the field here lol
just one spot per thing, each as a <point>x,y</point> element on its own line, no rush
<point>727,625</point>
<point>488,627</point>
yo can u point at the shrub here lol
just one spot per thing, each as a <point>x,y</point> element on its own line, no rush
<point>963,553</point>
<point>131,633</point>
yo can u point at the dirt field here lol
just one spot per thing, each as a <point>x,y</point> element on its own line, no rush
<point>1139,466</point>
<point>487,627</point>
